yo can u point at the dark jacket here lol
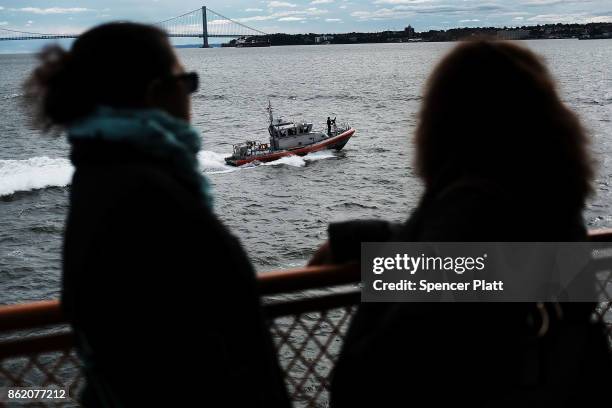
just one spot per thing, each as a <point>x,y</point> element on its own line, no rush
<point>163,297</point>
<point>469,354</point>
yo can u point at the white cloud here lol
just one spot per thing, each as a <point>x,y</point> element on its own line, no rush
<point>402,1</point>
<point>279,4</point>
<point>309,12</point>
<point>381,14</point>
<point>580,18</point>
<point>291,19</point>
<point>333,20</point>
<point>53,10</point>
<point>473,20</point>
<point>253,9</point>
<point>596,19</point>
<point>53,29</point>
<point>254,18</point>
<point>213,22</point>
<point>321,1</point>
<point>275,27</point>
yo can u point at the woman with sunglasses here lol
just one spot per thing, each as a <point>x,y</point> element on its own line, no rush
<point>161,296</point>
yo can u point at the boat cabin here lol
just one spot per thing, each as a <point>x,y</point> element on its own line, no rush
<point>289,135</point>
<point>289,129</point>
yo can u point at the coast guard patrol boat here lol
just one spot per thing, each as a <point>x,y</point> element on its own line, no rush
<point>289,138</point>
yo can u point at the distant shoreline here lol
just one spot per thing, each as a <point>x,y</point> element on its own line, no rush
<point>539,32</point>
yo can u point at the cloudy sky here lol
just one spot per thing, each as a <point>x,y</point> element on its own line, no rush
<point>294,16</point>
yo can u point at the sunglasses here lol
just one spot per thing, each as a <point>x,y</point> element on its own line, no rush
<point>190,80</point>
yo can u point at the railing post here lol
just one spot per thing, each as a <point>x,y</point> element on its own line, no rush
<point>204,28</point>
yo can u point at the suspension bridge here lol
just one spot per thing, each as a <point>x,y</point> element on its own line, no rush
<point>201,23</point>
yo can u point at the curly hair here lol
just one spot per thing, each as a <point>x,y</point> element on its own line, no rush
<point>111,64</point>
<point>491,111</point>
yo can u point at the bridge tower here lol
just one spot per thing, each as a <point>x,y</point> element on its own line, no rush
<point>204,28</point>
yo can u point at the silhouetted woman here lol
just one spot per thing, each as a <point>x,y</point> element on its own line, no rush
<point>502,160</point>
<point>161,296</point>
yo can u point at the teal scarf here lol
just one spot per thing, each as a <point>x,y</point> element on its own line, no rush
<point>152,131</point>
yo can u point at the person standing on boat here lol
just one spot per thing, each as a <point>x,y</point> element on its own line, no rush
<point>329,126</point>
<point>161,296</point>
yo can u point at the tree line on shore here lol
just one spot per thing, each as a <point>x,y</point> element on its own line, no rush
<point>583,31</point>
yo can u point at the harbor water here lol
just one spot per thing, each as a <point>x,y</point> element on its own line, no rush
<point>280,210</point>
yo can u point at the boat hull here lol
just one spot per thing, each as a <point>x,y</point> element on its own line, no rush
<point>336,142</point>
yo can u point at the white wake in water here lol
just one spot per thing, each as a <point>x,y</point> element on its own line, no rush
<point>41,172</point>
<point>300,161</point>
<point>34,173</point>
<point>295,161</point>
<point>320,155</point>
<point>214,163</point>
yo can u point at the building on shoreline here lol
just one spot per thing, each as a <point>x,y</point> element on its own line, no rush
<point>409,31</point>
<point>322,39</point>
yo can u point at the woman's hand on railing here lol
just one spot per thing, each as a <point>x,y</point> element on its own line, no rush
<point>322,256</point>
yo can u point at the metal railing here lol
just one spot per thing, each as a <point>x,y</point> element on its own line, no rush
<point>309,310</point>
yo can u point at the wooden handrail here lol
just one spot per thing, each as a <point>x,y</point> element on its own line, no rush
<point>312,277</point>
<point>48,312</point>
<point>601,235</point>
<point>32,314</point>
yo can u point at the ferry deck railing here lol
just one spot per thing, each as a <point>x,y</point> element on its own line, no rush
<point>309,310</point>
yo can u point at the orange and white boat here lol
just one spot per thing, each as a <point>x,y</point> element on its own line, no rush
<point>290,138</point>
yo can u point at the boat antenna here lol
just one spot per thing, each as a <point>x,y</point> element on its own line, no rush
<point>270,111</point>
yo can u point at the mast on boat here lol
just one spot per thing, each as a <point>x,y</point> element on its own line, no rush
<point>270,112</point>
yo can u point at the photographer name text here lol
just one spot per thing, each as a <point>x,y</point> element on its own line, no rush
<point>431,264</point>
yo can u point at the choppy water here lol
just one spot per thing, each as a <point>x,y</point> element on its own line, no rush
<point>280,210</point>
